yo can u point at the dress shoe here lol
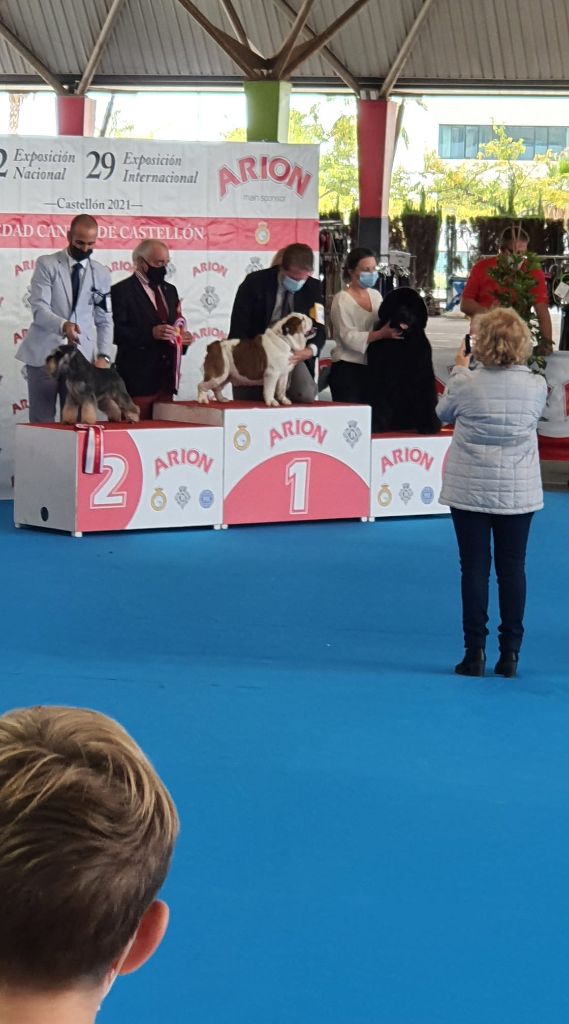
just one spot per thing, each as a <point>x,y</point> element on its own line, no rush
<point>473,663</point>
<point>507,664</point>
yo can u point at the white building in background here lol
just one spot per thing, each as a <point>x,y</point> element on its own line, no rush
<point>455,126</point>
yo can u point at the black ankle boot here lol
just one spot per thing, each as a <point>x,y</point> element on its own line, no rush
<point>473,663</point>
<point>507,664</point>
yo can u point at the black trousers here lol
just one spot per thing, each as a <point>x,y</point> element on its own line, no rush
<point>475,532</point>
<point>348,382</point>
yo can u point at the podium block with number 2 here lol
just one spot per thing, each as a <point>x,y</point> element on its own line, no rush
<point>153,476</point>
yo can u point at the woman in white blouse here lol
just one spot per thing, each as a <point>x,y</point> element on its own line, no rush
<point>354,312</point>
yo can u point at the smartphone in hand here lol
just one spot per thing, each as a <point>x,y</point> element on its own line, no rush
<point>467,345</point>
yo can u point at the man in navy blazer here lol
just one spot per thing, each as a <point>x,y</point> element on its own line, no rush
<point>267,295</point>
<point>70,300</point>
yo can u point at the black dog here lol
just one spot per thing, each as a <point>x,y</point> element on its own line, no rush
<point>88,387</point>
<point>401,379</point>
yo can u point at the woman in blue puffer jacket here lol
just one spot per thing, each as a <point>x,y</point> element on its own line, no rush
<point>492,480</point>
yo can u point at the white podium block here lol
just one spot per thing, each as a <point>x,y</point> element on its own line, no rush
<point>406,474</point>
<point>289,464</point>
<point>154,476</point>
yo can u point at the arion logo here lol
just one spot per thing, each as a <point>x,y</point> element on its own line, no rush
<point>276,168</point>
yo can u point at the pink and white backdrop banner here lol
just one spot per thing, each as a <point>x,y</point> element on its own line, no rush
<point>223,209</point>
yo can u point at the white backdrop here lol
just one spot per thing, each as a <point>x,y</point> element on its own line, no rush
<point>555,419</point>
<point>223,209</point>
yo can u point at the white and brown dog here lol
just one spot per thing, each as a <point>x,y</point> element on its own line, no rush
<point>264,360</point>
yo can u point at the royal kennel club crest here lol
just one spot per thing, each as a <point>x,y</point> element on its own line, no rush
<point>406,493</point>
<point>254,264</point>
<point>182,496</point>
<point>241,439</point>
<point>210,298</point>
<point>352,433</point>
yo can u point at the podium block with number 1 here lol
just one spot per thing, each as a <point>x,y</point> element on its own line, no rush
<point>289,464</point>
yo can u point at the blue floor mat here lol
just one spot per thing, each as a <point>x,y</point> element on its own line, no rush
<point>367,838</point>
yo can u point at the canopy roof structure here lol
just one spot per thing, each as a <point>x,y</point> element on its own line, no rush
<point>372,47</point>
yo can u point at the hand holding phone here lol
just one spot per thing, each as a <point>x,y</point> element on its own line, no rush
<point>467,345</point>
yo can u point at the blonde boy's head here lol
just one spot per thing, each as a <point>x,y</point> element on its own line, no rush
<point>87,831</point>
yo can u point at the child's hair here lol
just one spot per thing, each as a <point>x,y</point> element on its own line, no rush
<point>86,836</point>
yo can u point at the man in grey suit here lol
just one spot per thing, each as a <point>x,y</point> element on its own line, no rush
<point>70,300</point>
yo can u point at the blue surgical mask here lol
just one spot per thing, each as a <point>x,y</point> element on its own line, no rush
<point>368,278</point>
<point>291,285</point>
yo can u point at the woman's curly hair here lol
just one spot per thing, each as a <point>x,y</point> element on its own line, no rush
<point>502,338</point>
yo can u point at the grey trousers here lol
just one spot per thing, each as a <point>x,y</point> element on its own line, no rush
<point>43,392</point>
<point>301,388</point>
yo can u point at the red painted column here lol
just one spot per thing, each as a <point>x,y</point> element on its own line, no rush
<point>377,120</point>
<point>75,115</point>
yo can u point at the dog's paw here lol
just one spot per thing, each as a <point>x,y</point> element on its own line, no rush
<point>273,404</point>
<point>202,398</point>
<point>88,414</point>
<point>69,414</point>
<point>285,401</point>
<point>222,398</point>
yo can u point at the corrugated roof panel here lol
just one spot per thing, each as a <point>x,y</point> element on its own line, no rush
<point>369,41</point>
<point>515,40</point>
<point>520,41</point>
<point>10,61</point>
<point>60,32</point>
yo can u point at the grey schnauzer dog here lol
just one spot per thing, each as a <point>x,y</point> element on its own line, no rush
<point>88,387</point>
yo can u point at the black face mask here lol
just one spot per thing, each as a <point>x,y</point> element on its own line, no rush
<point>155,275</point>
<point>79,254</point>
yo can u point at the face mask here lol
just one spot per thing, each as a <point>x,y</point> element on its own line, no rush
<point>291,285</point>
<point>79,254</point>
<point>155,275</point>
<point>368,278</point>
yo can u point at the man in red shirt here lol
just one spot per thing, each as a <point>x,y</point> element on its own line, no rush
<point>480,292</point>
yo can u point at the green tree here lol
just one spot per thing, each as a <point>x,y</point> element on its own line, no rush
<point>498,183</point>
<point>338,183</point>
<point>514,287</point>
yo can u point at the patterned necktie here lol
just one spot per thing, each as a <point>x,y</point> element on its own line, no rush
<point>75,284</point>
<point>161,307</point>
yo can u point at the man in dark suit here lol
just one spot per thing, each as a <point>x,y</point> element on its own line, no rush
<point>145,310</point>
<point>267,295</point>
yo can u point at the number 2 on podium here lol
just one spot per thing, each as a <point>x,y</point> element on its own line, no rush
<point>107,495</point>
<point>298,478</point>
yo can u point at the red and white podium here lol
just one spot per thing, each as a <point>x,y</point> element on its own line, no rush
<point>287,464</point>
<point>153,476</point>
<point>406,474</point>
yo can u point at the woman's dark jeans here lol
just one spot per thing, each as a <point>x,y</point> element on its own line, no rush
<point>474,532</point>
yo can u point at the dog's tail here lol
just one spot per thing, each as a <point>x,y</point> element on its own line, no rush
<point>213,366</point>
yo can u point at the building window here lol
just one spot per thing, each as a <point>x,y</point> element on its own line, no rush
<point>463,141</point>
